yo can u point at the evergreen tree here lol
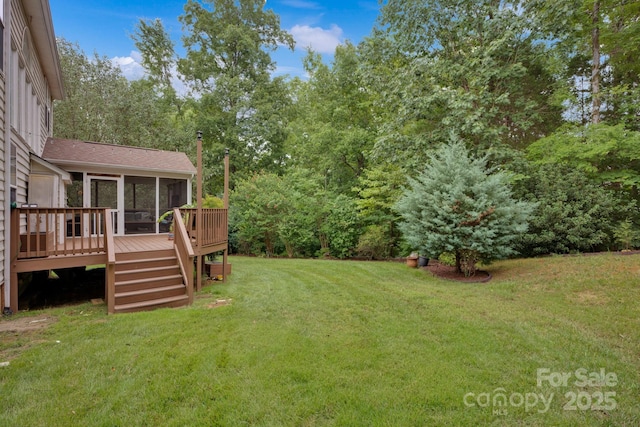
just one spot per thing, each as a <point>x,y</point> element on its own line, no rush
<point>458,205</point>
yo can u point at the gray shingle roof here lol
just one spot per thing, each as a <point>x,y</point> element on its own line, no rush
<point>68,151</point>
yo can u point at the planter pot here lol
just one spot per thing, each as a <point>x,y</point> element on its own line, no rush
<point>215,269</point>
<point>412,262</point>
<point>423,261</point>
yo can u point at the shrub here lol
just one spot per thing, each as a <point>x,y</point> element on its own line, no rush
<point>374,243</point>
<point>626,235</point>
<point>573,214</point>
<point>342,226</point>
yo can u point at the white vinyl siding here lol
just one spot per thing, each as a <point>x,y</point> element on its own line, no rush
<point>30,88</point>
<point>3,218</point>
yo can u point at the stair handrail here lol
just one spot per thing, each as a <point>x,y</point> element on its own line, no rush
<point>109,244</point>
<point>184,251</point>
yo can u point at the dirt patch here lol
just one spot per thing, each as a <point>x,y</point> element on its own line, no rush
<point>25,324</point>
<point>448,272</point>
<point>219,303</point>
<point>590,298</point>
<point>17,335</point>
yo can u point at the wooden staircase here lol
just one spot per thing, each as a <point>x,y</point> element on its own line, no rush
<point>148,280</point>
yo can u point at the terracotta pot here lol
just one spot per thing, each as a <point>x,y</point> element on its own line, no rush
<point>412,262</point>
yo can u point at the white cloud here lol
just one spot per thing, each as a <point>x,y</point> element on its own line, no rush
<point>179,85</point>
<point>132,70</point>
<point>130,65</point>
<point>317,38</point>
<point>301,4</point>
<point>288,70</point>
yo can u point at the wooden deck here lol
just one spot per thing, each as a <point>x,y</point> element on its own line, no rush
<point>74,252</point>
<point>142,243</point>
<point>52,245</point>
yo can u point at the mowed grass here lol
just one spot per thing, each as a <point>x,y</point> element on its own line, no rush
<point>314,343</point>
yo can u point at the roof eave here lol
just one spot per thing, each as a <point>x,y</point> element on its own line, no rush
<point>79,166</point>
<point>45,41</point>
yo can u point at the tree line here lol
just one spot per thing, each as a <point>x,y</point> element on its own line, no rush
<point>546,93</point>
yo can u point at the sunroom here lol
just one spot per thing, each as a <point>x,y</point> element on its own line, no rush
<point>137,184</point>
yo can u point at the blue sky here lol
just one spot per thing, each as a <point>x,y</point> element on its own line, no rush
<point>105,26</point>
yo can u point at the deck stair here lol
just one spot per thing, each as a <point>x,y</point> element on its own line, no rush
<point>147,280</point>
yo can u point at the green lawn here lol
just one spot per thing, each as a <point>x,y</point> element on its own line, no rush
<point>310,342</point>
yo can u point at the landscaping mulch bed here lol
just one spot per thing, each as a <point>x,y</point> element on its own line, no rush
<point>448,272</point>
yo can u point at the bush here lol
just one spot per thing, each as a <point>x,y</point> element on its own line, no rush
<point>342,226</point>
<point>627,235</point>
<point>374,243</point>
<point>573,213</point>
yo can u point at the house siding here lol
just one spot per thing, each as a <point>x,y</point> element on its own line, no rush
<point>3,222</point>
<point>30,99</point>
<point>31,93</point>
<point>26,96</point>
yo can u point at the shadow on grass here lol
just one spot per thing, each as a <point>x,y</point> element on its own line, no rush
<point>63,287</point>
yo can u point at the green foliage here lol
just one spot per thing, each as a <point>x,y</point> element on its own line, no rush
<point>341,226</point>
<point>212,202</point>
<point>471,70</point>
<point>573,213</point>
<point>269,211</point>
<point>102,106</point>
<point>626,234</point>
<point>158,55</point>
<point>569,28</point>
<point>447,258</point>
<point>494,74</point>
<point>456,205</point>
<point>379,188</point>
<point>256,207</point>
<point>332,130</point>
<point>609,154</point>
<point>297,228</point>
<point>228,64</point>
<point>374,243</point>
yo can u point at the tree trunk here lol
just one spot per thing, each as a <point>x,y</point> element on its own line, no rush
<point>595,70</point>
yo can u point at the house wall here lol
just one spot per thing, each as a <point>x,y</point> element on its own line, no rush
<point>26,124</point>
<point>31,100</point>
<point>4,43</point>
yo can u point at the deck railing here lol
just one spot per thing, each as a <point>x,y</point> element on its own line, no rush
<point>58,231</point>
<point>110,266</point>
<point>214,226</point>
<point>185,254</point>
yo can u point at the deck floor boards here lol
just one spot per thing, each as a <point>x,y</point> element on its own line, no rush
<point>141,243</point>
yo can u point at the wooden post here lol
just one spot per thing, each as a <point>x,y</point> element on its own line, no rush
<point>226,178</point>
<point>199,216</point>
<point>226,206</point>
<point>14,243</point>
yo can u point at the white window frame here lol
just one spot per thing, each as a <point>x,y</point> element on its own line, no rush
<point>13,172</point>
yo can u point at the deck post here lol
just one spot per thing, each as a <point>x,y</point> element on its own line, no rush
<point>13,304</point>
<point>14,235</point>
<point>226,206</point>
<point>226,178</point>
<point>199,216</point>
<point>110,267</point>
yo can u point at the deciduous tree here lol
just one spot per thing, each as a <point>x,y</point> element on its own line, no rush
<point>228,63</point>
